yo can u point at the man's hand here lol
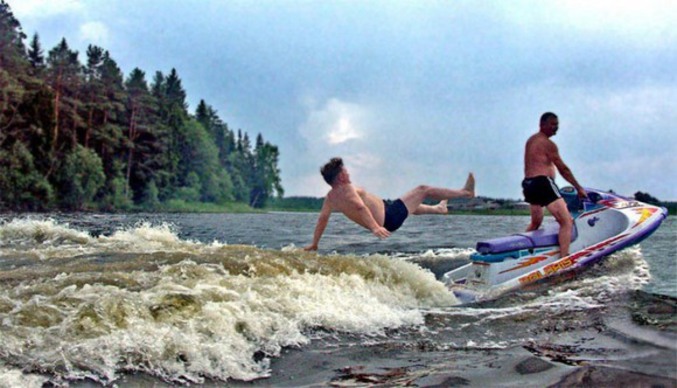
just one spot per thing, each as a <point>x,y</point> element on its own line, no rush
<point>381,232</point>
<point>582,194</point>
<point>311,247</point>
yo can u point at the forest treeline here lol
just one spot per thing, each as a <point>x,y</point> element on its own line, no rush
<point>82,136</point>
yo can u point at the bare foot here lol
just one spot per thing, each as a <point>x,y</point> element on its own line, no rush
<point>442,207</point>
<point>470,186</point>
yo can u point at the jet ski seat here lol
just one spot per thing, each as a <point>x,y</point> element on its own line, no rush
<point>547,236</point>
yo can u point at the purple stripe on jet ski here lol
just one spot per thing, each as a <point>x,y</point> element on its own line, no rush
<point>547,236</point>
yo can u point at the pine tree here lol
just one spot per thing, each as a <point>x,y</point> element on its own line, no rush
<point>144,139</point>
<point>93,94</point>
<point>108,136</point>
<point>223,137</point>
<point>65,77</point>
<point>13,68</point>
<point>266,175</point>
<point>35,55</point>
<point>22,186</point>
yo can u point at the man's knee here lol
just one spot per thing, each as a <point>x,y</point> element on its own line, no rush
<point>559,210</point>
<point>422,189</point>
<point>566,220</point>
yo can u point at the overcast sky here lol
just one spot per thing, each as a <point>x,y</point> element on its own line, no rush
<point>410,92</point>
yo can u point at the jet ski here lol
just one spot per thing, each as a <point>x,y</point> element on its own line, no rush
<point>604,223</point>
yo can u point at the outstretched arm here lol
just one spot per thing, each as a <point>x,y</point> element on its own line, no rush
<point>322,221</point>
<point>565,171</point>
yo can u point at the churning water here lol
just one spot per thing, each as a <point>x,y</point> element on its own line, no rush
<point>206,298</point>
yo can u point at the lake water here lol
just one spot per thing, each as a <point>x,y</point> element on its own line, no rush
<point>160,299</point>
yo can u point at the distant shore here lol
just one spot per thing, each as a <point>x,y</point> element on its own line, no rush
<point>312,205</point>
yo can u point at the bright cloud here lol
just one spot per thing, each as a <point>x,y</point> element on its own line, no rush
<point>95,33</point>
<point>343,131</point>
<point>335,123</point>
<point>340,128</point>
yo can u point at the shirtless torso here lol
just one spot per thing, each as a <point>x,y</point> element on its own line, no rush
<point>358,205</point>
<point>539,156</point>
<point>343,199</point>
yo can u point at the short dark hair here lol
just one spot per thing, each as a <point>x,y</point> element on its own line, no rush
<point>331,170</point>
<point>547,116</point>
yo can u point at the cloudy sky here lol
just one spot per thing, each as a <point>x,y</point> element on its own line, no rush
<point>410,92</point>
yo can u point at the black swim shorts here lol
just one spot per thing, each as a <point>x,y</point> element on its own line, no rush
<point>396,213</point>
<point>540,190</point>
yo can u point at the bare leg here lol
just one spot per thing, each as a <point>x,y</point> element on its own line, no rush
<point>470,185</point>
<point>559,210</point>
<point>536,217</point>
<point>440,208</point>
<point>413,199</point>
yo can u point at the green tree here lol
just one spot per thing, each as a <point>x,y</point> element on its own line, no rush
<point>22,114</point>
<point>36,56</point>
<point>150,199</point>
<point>201,157</point>
<point>266,180</point>
<point>173,114</point>
<point>145,140</point>
<point>64,76</point>
<point>190,191</point>
<point>93,92</point>
<point>114,193</point>
<point>81,177</point>
<point>241,163</point>
<point>22,187</point>
<point>108,132</point>
<point>13,68</point>
<point>219,187</point>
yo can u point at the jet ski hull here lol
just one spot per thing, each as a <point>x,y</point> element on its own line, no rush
<point>604,224</point>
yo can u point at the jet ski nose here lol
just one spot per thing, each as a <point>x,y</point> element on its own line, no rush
<point>465,296</point>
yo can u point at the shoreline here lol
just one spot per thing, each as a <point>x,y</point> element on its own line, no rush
<point>241,208</point>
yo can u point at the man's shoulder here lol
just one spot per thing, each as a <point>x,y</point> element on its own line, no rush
<point>540,141</point>
<point>337,192</point>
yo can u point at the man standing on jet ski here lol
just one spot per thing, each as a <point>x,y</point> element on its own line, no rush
<point>541,158</point>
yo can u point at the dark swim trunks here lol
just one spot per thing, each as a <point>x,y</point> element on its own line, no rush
<point>540,190</point>
<point>396,213</point>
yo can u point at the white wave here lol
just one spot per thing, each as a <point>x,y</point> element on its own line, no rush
<point>622,271</point>
<point>11,377</point>
<point>449,253</point>
<point>146,237</point>
<point>188,321</point>
<point>47,239</point>
<point>440,254</point>
<point>40,232</point>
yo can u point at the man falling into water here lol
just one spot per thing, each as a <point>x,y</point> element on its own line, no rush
<point>373,213</point>
<point>541,157</point>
